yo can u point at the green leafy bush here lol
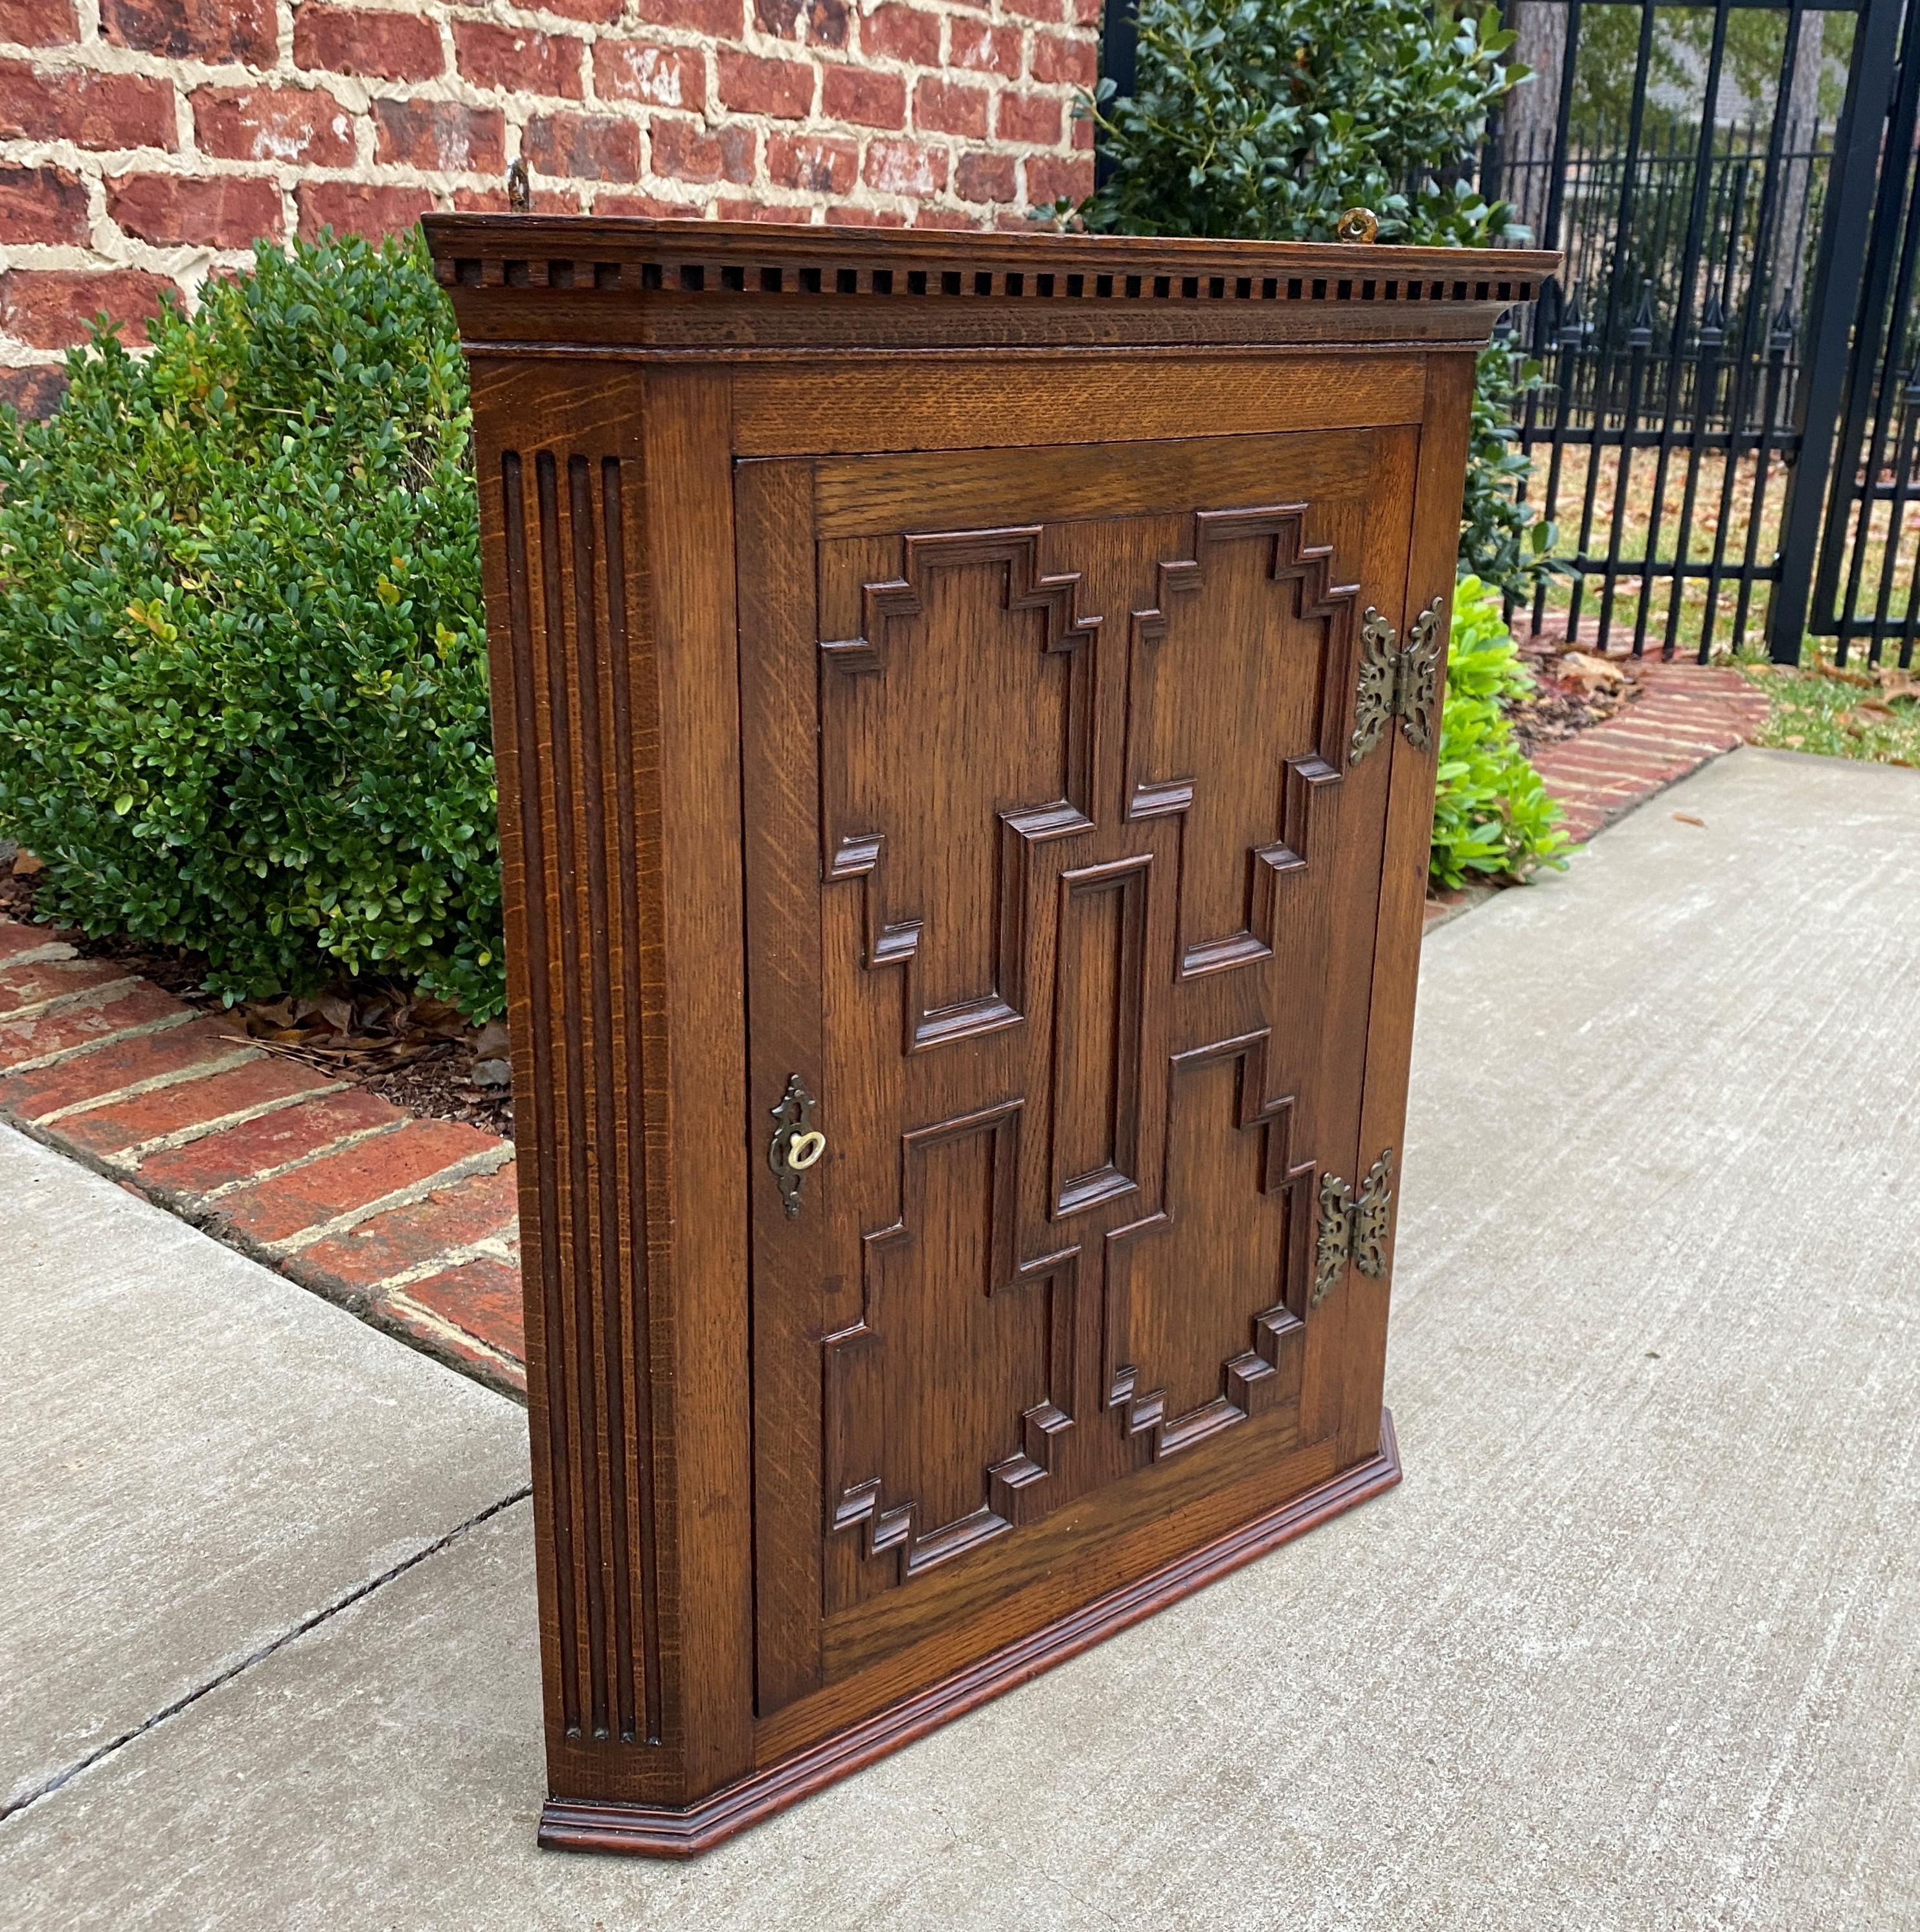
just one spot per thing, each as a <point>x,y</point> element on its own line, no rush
<point>1266,119</point>
<point>1502,541</point>
<point>1492,814</point>
<point>243,685</point>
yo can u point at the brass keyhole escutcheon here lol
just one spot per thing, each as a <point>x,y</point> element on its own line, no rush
<point>797,1143</point>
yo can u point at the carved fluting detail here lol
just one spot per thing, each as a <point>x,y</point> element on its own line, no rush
<point>893,921</point>
<point>892,1514</point>
<point>575,714</point>
<point>1303,780</point>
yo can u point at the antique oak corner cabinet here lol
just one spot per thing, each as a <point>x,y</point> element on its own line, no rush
<point>966,710</point>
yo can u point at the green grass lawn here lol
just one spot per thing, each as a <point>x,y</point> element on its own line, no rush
<point>1853,713</point>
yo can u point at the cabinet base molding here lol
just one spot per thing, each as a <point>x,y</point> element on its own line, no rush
<point>656,1831</point>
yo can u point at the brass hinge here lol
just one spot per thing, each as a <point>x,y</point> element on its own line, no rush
<point>1397,680</point>
<point>1354,1227</point>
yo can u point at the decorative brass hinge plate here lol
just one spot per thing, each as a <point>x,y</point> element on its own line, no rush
<point>1354,1227</point>
<point>1397,680</point>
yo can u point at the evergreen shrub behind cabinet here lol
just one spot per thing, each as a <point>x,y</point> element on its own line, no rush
<point>1266,119</point>
<point>243,685</point>
<point>1492,816</point>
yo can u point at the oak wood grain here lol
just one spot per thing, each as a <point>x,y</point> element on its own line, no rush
<point>655,1831</point>
<point>1433,543</point>
<point>957,402</point>
<point>903,686</point>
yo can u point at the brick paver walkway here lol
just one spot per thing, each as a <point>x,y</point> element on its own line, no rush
<point>1689,714</point>
<point>410,1223</point>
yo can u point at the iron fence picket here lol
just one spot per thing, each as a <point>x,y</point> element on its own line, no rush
<point>1759,215</point>
<point>1737,291</point>
<point>1879,351</point>
<point>1847,266</point>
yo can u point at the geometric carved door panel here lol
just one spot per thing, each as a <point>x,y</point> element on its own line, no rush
<point>1070,938</point>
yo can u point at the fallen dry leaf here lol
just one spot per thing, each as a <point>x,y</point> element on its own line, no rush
<point>1687,818</point>
<point>1588,674</point>
<point>26,865</point>
<point>336,1012</point>
<point>1879,713</point>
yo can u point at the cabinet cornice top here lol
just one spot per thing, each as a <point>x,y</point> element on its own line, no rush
<point>735,286</point>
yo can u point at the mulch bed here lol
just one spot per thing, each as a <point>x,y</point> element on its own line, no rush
<point>418,1054</point>
<point>1562,709</point>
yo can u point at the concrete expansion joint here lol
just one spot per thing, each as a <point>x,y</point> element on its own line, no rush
<point>360,1592</point>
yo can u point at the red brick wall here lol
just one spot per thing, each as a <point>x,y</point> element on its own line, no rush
<point>144,143</point>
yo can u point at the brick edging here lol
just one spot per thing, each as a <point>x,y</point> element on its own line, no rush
<point>1687,714</point>
<point>409,1223</point>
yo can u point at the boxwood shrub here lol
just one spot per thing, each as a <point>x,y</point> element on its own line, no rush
<point>243,689</point>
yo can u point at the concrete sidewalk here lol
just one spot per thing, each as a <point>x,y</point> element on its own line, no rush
<point>1633,1647</point>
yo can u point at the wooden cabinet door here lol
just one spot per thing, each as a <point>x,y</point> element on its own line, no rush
<point>1062,876</point>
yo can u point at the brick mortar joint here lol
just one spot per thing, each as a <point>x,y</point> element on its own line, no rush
<point>80,1048</point>
<point>485,1160</point>
<point>127,1160</point>
<point>339,1145</point>
<point>179,1076</point>
<point>494,1247</point>
<point>54,950</point>
<point>359,93</point>
<point>404,1317</point>
<point>80,996</point>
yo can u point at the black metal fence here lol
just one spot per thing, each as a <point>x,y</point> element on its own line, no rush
<point>1728,438</point>
<point>1671,348</point>
<point>1866,590</point>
